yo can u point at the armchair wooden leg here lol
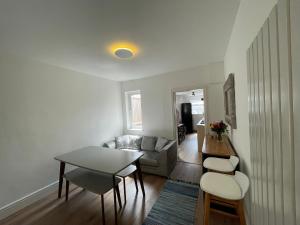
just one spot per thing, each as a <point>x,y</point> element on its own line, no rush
<point>241,213</point>
<point>206,209</point>
<point>67,190</point>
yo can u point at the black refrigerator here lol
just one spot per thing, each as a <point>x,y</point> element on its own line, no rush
<point>186,117</point>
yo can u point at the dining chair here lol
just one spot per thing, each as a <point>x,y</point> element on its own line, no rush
<point>125,173</point>
<point>221,165</point>
<point>95,182</point>
<point>226,191</point>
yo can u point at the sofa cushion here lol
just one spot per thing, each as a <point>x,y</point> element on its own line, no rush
<point>161,142</point>
<point>150,158</point>
<point>110,144</point>
<point>148,143</point>
<point>123,141</point>
<point>128,142</point>
<point>135,142</point>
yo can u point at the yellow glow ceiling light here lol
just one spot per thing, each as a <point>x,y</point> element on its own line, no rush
<point>123,50</point>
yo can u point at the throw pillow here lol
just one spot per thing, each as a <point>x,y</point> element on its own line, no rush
<point>148,143</point>
<point>122,142</point>
<point>161,142</point>
<point>135,142</point>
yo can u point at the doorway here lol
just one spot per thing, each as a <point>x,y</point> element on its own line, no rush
<point>189,115</point>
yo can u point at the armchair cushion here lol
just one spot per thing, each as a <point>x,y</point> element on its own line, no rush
<point>221,185</point>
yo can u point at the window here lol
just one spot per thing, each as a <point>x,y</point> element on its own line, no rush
<point>134,110</point>
<point>198,107</point>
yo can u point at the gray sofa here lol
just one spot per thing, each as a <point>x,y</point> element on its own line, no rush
<point>160,154</point>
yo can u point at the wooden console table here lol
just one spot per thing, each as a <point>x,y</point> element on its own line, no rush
<point>214,148</point>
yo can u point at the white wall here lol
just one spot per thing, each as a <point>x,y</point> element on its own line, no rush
<point>157,99</point>
<point>250,18</point>
<point>46,111</point>
<point>215,102</point>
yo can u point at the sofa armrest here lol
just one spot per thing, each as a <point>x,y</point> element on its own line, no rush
<point>168,156</point>
<point>110,144</point>
<point>169,146</point>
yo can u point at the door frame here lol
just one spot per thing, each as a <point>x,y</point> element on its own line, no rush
<point>182,89</point>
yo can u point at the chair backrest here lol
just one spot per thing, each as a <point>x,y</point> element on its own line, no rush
<point>243,181</point>
<point>234,161</point>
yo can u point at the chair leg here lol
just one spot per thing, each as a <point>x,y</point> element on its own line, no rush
<point>67,190</point>
<point>241,213</point>
<point>206,209</point>
<point>135,181</point>
<point>124,185</point>
<point>118,195</point>
<point>103,214</point>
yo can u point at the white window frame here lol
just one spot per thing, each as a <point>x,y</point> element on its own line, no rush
<point>128,103</point>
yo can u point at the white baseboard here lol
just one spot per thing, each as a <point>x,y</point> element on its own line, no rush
<point>21,203</point>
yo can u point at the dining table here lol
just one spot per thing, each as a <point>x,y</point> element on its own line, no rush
<point>101,160</point>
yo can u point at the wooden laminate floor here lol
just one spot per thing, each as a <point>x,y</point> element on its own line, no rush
<point>187,172</point>
<point>188,150</point>
<point>84,208</point>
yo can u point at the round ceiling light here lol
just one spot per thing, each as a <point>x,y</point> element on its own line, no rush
<point>123,53</point>
<point>123,50</point>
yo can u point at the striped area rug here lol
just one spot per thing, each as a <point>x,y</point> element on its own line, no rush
<point>175,206</point>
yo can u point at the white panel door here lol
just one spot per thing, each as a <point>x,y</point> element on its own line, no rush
<point>295,53</point>
<point>256,162</point>
<point>251,120</point>
<point>276,118</point>
<point>286,112</point>
<point>268,126</point>
<point>262,130</point>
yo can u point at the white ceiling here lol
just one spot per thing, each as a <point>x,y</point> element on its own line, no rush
<point>74,34</point>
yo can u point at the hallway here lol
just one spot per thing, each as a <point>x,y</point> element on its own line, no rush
<point>188,150</point>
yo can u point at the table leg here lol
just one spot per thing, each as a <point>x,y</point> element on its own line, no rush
<point>67,190</point>
<point>119,196</point>
<point>103,211</point>
<point>124,186</point>
<point>138,167</point>
<point>61,177</point>
<point>115,200</point>
<point>135,182</point>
